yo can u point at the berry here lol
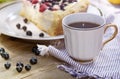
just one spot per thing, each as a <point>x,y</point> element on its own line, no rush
<point>27,67</point>
<point>2,55</point>
<point>2,50</point>
<point>19,64</point>
<point>34,1</point>
<point>70,1</point>
<point>62,7</point>
<point>25,20</point>
<point>33,60</point>
<point>29,33</point>
<point>7,65</point>
<point>24,28</point>
<point>50,8</point>
<point>34,49</point>
<point>64,1</point>
<point>19,68</point>
<point>18,26</point>
<point>41,34</point>
<point>53,3</point>
<point>5,55</point>
<point>37,52</point>
<point>65,4</point>
<point>43,7</point>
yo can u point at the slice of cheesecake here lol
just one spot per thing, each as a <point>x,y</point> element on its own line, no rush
<point>47,15</point>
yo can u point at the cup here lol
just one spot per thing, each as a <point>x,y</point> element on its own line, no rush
<point>84,39</point>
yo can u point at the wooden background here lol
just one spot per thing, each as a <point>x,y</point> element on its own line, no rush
<point>20,50</point>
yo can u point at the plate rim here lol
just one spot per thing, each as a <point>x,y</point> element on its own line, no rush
<point>42,38</point>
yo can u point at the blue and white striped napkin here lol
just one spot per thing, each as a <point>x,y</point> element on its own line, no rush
<point>106,65</point>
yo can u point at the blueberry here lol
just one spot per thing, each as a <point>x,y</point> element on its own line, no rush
<point>33,60</point>
<point>25,20</point>
<point>6,56</point>
<point>41,34</point>
<point>29,33</point>
<point>2,55</point>
<point>2,50</point>
<point>37,52</point>
<point>50,8</point>
<point>64,1</point>
<point>62,7</point>
<point>34,49</point>
<point>27,67</point>
<point>65,4</point>
<point>18,26</point>
<point>53,3</point>
<point>19,68</point>
<point>7,65</point>
<point>19,64</point>
<point>57,0</point>
<point>70,1</point>
<point>24,28</point>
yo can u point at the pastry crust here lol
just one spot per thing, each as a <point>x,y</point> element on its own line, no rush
<point>51,21</point>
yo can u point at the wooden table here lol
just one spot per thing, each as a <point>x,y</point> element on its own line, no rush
<point>20,50</point>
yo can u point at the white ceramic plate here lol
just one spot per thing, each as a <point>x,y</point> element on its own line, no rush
<point>9,17</point>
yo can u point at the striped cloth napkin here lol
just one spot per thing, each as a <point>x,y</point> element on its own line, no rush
<point>105,66</point>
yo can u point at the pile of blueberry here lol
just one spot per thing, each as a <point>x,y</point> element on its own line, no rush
<point>52,5</point>
<point>19,65</point>
<point>24,28</point>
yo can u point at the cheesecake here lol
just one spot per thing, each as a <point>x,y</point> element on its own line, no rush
<point>47,15</point>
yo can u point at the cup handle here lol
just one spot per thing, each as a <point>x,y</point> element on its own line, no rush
<point>113,35</point>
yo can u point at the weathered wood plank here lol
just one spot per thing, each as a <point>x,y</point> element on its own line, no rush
<point>20,50</point>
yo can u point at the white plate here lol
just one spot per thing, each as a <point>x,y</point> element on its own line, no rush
<point>9,17</point>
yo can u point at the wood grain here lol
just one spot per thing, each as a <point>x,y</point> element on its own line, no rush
<point>20,50</point>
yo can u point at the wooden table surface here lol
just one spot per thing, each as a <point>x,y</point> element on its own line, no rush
<point>20,51</point>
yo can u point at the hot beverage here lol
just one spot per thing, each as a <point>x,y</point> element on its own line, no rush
<point>84,25</point>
